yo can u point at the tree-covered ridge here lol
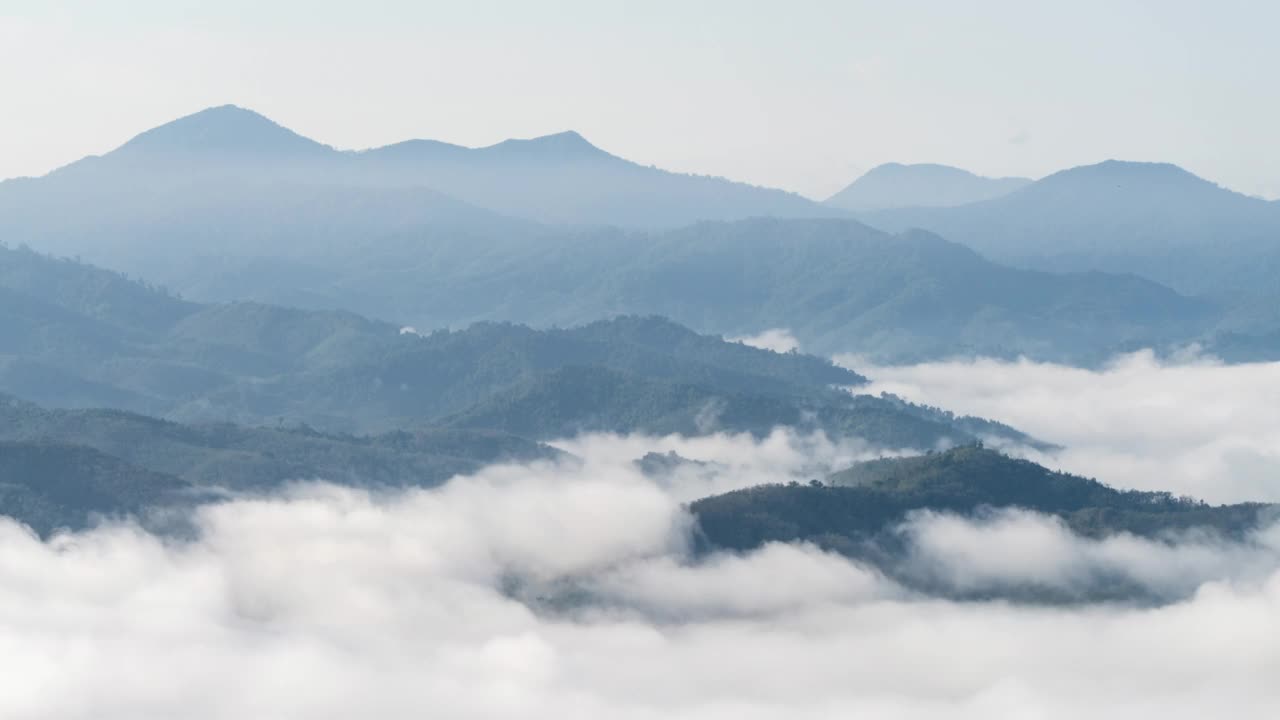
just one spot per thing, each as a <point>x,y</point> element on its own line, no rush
<point>449,372</point>
<point>74,320</point>
<point>49,486</point>
<point>864,503</point>
<point>255,364</point>
<point>838,285</point>
<point>577,399</point>
<point>261,458</point>
<point>90,291</point>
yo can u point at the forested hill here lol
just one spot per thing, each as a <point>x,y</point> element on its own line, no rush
<point>79,337</point>
<point>241,458</point>
<point>864,504</point>
<point>838,285</point>
<point>49,486</point>
<point>577,399</point>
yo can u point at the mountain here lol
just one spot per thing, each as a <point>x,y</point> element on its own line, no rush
<point>1152,219</point>
<point>227,132</point>
<point>573,400</point>
<point>858,511</point>
<point>839,286</point>
<point>564,179</point>
<point>221,456</point>
<point>871,497</point>
<point>226,205</point>
<point>894,185</point>
<point>49,486</point>
<point>229,184</point>
<point>70,347</point>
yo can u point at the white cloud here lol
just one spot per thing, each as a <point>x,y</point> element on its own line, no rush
<point>779,340</point>
<point>1016,548</point>
<point>729,461</point>
<point>566,590</point>
<point>1194,427</point>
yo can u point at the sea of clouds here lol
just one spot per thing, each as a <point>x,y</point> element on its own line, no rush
<point>1192,426</point>
<point>569,589</point>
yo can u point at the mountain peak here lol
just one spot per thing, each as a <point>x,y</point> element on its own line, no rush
<point>896,168</point>
<point>566,144</point>
<point>1112,175</point>
<point>222,129</point>
<point>895,185</point>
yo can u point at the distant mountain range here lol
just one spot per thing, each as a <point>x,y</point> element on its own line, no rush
<point>226,205</point>
<point>227,175</point>
<point>838,285</point>
<point>1152,219</point>
<point>73,336</point>
<point>894,185</point>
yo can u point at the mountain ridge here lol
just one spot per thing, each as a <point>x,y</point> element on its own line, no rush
<point>1156,220</point>
<point>560,177</point>
<point>897,185</point>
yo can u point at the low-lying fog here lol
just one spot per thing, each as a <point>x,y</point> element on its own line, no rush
<point>567,590</point>
<point>1193,426</point>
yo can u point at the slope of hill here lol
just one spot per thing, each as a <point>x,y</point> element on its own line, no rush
<point>447,372</point>
<point>1153,219</point>
<point>603,377</point>
<point>49,486</point>
<point>894,185</point>
<point>234,457</point>
<point>573,400</point>
<point>871,497</point>
<point>857,511</point>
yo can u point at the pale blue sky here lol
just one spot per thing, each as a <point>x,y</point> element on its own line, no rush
<point>800,95</point>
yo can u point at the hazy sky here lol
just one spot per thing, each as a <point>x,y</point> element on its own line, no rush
<point>800,95</point>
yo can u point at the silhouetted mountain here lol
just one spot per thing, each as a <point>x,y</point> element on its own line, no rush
<point>225,131</point>
<point>1153,219</point>
<point>228,183</point>
<point>564,179</point>
<point>226,205</point>
<point>894,185</point>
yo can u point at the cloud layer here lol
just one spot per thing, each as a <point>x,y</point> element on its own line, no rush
<point>566,590</point>
<point>779,340</point>
<point>1194,427</point>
